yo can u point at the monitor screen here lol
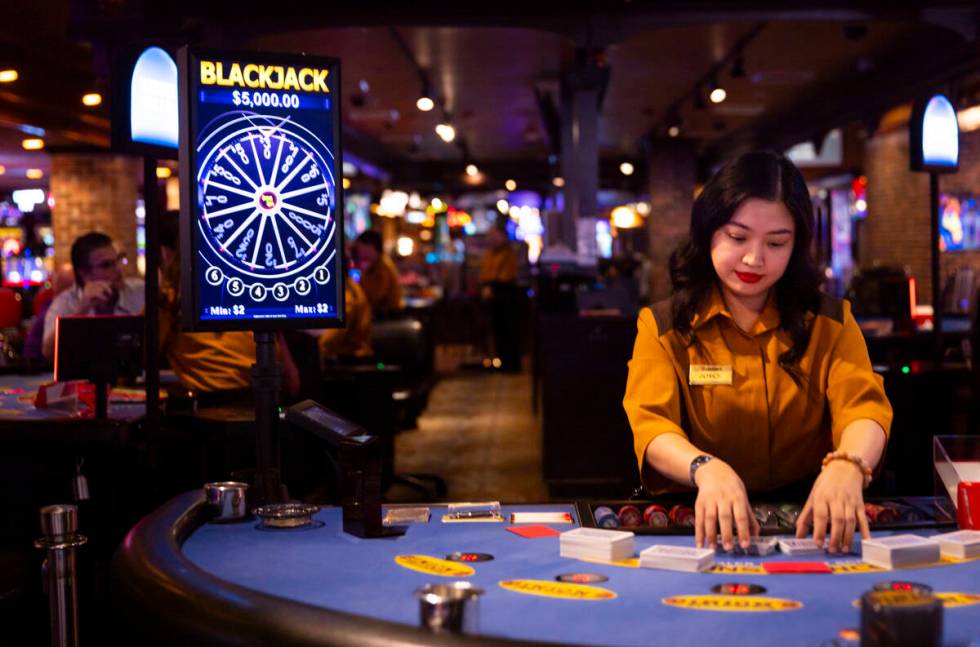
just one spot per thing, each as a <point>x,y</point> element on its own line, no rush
<point>260,185</point>
<point>326,421</point>
<point>98,347</point>
<point>959,222</point>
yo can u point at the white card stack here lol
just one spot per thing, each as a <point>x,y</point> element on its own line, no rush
<point>596,543</point>
<point>794,546</point>
<point>900,551</point>
<point>962,544</point>
<point>677,558</point>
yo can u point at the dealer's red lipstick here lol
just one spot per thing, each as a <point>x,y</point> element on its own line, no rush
<point>748,277</point>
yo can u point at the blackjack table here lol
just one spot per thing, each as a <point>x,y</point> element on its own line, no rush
<point>183,579</point>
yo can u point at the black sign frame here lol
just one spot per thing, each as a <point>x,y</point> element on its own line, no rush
<point>191,274</point>
<point>916,123</point>
<point>120,103</point>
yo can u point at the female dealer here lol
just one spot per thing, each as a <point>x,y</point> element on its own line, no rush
<point>749,378</point>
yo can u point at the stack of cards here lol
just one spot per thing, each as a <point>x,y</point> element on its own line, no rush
<point>595,543</point>
<point>677,558</point>
<point>793,546</point>
<point>962,544</point>
<point>758,546</point>
<point>900,551</point>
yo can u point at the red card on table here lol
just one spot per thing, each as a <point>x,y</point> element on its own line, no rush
<point>532,532</point>
<point>795,567</point>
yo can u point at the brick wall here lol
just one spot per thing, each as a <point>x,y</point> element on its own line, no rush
<point>94,192</point>
<point>671,182</point>
<point>897,230</point>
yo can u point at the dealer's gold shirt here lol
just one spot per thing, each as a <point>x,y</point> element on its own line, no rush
<point>770,430</point>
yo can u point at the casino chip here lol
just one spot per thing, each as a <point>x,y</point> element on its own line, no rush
<point>630,516</point>
<point>738,588</point>
<point>582,578</point>
<point>469,557</point>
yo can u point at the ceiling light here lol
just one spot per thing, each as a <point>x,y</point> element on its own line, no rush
<point>34,174</point>
<point>503,206</point>
<point>471,170</point>
<point>674,131</point>
<point>92,99</point>
<point>626,168</point>
<point>8,76</point>
<point>32,144</point>
<point>346,183</point>
<point>718,95</point>
<point>510,185</point>
<point>3,169</point>
<point>446,132</point>
<point>559,181</point>
<point>425,104</point>
<point>163,172</point>
<point>969,119</point>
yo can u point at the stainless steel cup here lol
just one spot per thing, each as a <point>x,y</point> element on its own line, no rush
<point>227,500</point>
<point>450,607</point>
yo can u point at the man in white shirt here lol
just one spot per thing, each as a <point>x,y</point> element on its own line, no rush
<point>99,286</point>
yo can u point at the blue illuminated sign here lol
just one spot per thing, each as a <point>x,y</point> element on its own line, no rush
<point>153,99</point>
<point>934,136</point>
<point>260,191</point>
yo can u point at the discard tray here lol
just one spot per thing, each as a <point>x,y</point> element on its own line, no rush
<point>779,518</point>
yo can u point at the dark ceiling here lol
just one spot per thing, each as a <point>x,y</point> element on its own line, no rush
<point>808,67</point>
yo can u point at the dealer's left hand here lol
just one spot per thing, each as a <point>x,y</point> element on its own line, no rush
<point>837,497</point>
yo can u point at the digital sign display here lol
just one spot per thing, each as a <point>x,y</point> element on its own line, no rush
<point>260,191</point>
<point>934,136</point>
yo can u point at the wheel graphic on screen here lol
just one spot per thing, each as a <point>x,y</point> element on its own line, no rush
<point>267,199</point>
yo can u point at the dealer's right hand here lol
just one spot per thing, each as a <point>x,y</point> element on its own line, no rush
<point>722,504</point>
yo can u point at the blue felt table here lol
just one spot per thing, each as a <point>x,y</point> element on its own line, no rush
<point>324,566</point>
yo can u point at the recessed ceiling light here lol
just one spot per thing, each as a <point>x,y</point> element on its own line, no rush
<point>425,104</point>
<point>446,132</point>
<point>32,144</point>
<point>92,99</point>
<point>8,76</point>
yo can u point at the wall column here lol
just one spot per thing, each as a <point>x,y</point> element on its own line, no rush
<point>94,192</point>
<point>671,166</point>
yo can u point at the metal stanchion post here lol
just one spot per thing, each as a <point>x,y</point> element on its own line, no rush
<point>59,523</point>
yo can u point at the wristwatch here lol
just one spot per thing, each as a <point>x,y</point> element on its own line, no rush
<point>696,463</point>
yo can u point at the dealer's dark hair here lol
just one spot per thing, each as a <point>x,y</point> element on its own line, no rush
<point>768,176</point>
<point>83,246</point>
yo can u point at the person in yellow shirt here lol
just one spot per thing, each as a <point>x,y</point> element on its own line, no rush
<point>353,341</point>
<point>748,378</point>
<point>498,287</point>
<point>206,362</point>
<point>379,276</point>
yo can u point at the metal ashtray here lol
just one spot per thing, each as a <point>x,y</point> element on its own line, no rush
<point>227,500</point>
<point>286,515</point>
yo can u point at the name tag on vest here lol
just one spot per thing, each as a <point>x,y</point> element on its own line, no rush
<point>704,374</point>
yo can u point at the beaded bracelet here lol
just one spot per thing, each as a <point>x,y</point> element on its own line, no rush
<point>854,458</point>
